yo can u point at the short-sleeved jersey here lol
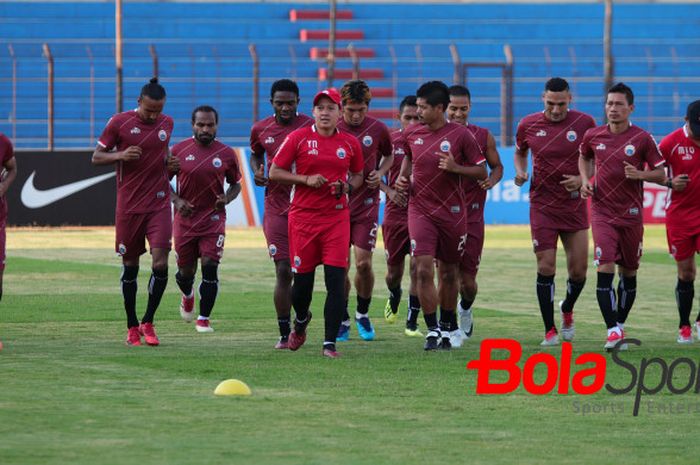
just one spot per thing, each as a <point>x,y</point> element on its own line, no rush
<point>393,213</point>
<point>475,195</point>
<point>554,147</point>
<point>6,153</point>
<point>375,139</point>
<point>142,185</point>
<point>618,200</point>
<point>682,156</point>
<point>307,152</point>
<point>435,192</point>
<point>200,180</point>
<point>265,137</point>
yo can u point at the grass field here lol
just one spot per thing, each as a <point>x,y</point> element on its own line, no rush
<point>71,392</point>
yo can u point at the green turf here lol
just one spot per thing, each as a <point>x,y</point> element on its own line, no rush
<point>71,392</point>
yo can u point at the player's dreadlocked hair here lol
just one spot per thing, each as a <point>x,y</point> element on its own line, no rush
<point>355,92</point>
<point>435,93</point>
<point>284,85</point>
<point>153,90</point>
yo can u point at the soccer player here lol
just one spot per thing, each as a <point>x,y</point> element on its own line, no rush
<point>440,154</point>
<point>681,150</point>
<point>364,203</point>
<point>556,208</point>
<point>265,138</point>
<point>458,112</point>
<point>143,212</point>
<point>9,173</point>
<point>324,165</point>
<point>200,211</point>
<point>619,150</point>
<point>397,242</point>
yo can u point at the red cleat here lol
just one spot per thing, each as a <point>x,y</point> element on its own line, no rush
<point>297,338</point>
<point>133,336</point>
<point>330,352</point>
<point>149,334</point>
<point>283,343</point>
<point>187,307</point>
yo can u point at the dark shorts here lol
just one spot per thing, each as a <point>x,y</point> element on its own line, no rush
<point>472,252</point>
<point>276,229</point>
<point>189,248</point>
<point>363,233</point>
<point>132,230</point>
<point>445,241</point>
<point>397,242</point>
<point>546,226</point>
<point>683,242</point>
<point>312,244</point>
<point>617,244</point>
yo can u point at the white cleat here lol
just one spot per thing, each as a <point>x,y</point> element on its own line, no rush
<point>203,326</point>
<point>551,338</point>
<point>567,325</point>
<point>456,338</point>
<point>187,308</point>
<point>466,322</point>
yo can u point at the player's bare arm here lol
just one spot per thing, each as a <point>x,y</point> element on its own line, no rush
<point>401,183</point>
<point>9,174</point>
<point>102,157</point>
<point>224,199</point>
<point>182,206</point>
<point>586,170</point>
<point>677,183</point>
<point>447,162</point>
<point>493,160</point>
<point>172,163</point>
<point>520,162</point>
<point>283,176</point>
<point>375,176</point>
<point>257,165</point>
<point>656,175</point>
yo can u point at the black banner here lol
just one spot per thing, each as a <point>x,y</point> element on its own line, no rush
<point>60,189</point>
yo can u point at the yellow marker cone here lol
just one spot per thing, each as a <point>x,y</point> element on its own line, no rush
<point>232,387</point>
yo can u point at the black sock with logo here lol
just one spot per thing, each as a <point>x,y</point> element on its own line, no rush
<point>626,293</point>
<point>606,298</point>
<point>685,293</point>
<point>545,297</point>
<point>573,290</point>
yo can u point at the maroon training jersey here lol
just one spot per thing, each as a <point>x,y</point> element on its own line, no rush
<point>435,192</point>
<point>142,185</point>
<point>554,147</point>
<point>199,181</point>
<point>6,153</point>
<point>376,142</point>
<point>682,155</point>
<point>618,200</point>
<point>392,212</point>
<point>266,136</point>
<point>307,152</point>
<point>475,195</point>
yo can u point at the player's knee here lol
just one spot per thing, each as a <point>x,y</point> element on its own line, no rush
<point>686,274</point>
<point>129,273</point>
<point>364,266</point>
<point>469,286</point>
<point>393,277</point>
<point>210,273</point>
<point>283,272</point>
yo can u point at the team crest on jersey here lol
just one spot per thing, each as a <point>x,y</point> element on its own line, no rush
<point>367,140</point>
<point>136,131</point>
<point>121,249</point>
<point>571,136</point>
<point>445,146</point>
<point>297,261</point>
<point>600,147</point>
<point>629,150</point>
<point>413,245</point>
<point>418,141</point>
<point>272,249</point>
<point>598,253</point>
<point>541,133</point>
<point>341,153</point>
<point>674,251</point>
<point>160,194</point>
<point>270,140</point>
<point>162,135</point>
<point>190,157</point>
<point>535,243</point>
<point>216,162</point>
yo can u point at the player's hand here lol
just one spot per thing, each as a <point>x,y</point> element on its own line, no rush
<point>571,182</point>
<point>447,162</point>
<point>401,184</point>
<point>315,181</point>
<point>259,177</point>
<point>680,182</point>
<point>172,163</point>
<point>486,184</point>
<point>587,190</point>
<point>220,202</point>
<point>339,188</point>
<point>631,172</point>
<point>521,178</point>
<point>131,153</point>
<point>183,207</point>
<point>397,197</point>
<point>372,179</point>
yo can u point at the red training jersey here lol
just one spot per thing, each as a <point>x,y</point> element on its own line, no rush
<point>142,185</point>
<point>265,137</point>
<point>199,181</point>
<point>618,200</point>
<point>682,156</point>
<point>307,152</point>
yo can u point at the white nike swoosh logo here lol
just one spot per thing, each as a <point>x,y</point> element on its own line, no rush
<point>35,198</point>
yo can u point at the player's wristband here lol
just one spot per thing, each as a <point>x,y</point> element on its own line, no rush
<point>669,183</point>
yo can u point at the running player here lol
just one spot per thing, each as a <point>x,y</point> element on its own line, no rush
<point>200,212</point>
<point>143,212</point>
<point>619,151</point>
<point>9,173</point>
<point>556,208</point>
<point>327,166</point>
<point>364,203</point>
<point>265,138</point>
